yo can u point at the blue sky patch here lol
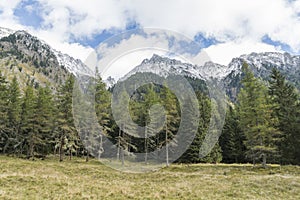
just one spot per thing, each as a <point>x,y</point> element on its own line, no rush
<point>95,40</point>
<point>266,39</point>
<point>28,14</point>
<point>205,41</point>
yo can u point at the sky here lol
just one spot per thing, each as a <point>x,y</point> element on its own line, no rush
<point>223,29</point>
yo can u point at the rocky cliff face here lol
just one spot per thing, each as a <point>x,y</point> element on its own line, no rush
<point>31,59</point>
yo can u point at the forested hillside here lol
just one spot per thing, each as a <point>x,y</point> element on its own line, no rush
<point>262,126</point>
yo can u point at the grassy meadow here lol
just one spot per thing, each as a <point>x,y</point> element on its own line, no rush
<point>76,179</point>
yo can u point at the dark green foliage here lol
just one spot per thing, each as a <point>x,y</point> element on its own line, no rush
<point>45,108</point>
<point>4,134</point>
<point>256,120</point>
<point>192,153</point>
<point>38,122</point>
<point>285,104</point>
<point>30,137</point>
<point>66,134</point>
<point>14,115</point>
<point>231,140</point>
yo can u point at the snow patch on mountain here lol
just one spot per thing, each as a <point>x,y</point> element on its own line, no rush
<point>74,66</point>
<point>4,32</point>
<point>164,66</point>
<point>260,63</point>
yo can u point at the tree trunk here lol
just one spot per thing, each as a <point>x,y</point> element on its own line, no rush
<point>30,150</point>
<point>146,145</point>
<point>87,156</point>
<point>101,148</point>
<point>264,163</point>
<point>122,152</point>
<point>70,154</point>
<point>119,145</point>
<point>167,146</point>
<point>61,150</point>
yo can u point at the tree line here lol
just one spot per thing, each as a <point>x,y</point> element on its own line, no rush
<point>262,126</point>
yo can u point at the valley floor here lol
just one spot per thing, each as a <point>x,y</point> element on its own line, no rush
<point>76,179</point>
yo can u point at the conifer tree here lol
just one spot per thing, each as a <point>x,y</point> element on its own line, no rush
<point>231,140</point>
<point>125,130</point>
<point>285,103</point>
<point>255,118</point>
<point>30,134</point>
<point>151,127</point>
<point>171,120</point>
<point>14,114</point>
<point>45,118</point>
<point>103,112</point>
<point>66,133</point>
<point>4,133</point>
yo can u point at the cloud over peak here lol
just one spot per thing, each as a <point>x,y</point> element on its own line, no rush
<point>235,24</point>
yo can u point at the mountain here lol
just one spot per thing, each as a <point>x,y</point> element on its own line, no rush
<point>230,75</point>
<point>5,32</point>
<point>31,59</point>
<point>164,66</point>
<point>262,64</point>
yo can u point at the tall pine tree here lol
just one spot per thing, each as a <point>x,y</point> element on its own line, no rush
<point>255,118</point>
<point>232,138</point>
<point>172,120</point>
<point>45,118</point>
<point>30,135</point>
<point>4,133</point>
<point>285,103</point>
<point>14,115</point>
<point>66,134</point>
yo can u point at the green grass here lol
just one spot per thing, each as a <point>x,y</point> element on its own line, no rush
<point>76,179</point>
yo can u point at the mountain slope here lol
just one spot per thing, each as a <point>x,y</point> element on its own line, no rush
<point>31,59</point>
<point>260,63</point>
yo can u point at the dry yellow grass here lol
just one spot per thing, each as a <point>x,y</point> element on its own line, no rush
<point>76,179</point>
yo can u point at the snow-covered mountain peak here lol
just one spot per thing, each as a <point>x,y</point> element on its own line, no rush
<point>260,63</point>
<point>267,60</point>
<point>165,66</point>
<point>31,45</point>
<point>5,32</point>
<point>75,66</point>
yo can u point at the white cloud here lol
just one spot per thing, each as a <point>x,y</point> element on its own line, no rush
<point>82,19</point>
<point>123,56</point>
<point>223,53</point>
<point>75,50</point>
<point>224,20</point>
<point>7,18</point>
<point>228,21</point>
<point>131,48</point>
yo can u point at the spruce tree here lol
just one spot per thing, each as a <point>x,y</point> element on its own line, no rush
<point>66,135</point>
<point>285,104</point>
<point>232,138</point>
<point>103,112</point>
<point>152,128</point>
<point>192,153</point>
<point>45,118</point>
<point>255,118</point>
<point>125,131</point>
<point>4,133</point>
<point>14,114</point>
<point>30,134</point>
<point>172,120</point>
